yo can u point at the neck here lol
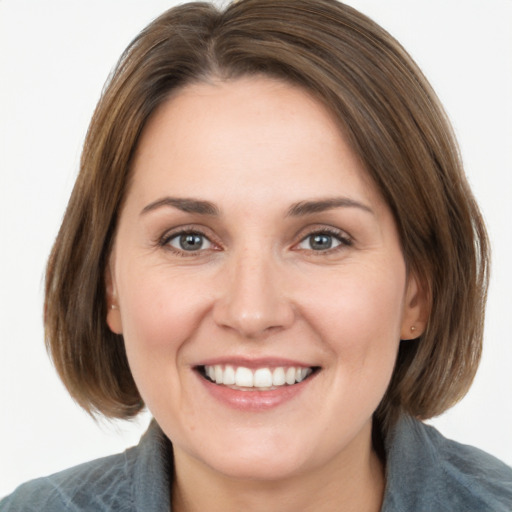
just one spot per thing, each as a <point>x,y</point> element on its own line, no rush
<point>348,483</point>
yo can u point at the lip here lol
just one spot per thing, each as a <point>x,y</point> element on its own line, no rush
<point>261,362</point>
<point>253,400</point>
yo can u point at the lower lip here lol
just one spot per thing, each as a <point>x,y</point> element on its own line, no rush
<point>255,401</point>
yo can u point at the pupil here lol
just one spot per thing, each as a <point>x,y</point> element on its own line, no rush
<point>321,242</point>
<point>191,242</point>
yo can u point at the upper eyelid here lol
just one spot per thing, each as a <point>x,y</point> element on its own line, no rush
<point>318,229</point>
<point>185,229</point>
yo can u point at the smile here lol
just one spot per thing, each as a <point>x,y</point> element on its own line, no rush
<point>258,379</point>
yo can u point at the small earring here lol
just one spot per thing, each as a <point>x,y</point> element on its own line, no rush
<point>413,328</point>
<point>113,306</point>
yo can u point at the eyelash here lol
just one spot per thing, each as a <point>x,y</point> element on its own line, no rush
<point>340,236</point>
<point>165,240</point>
<point>344,241</point>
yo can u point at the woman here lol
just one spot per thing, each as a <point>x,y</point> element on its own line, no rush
<point>271,245</point>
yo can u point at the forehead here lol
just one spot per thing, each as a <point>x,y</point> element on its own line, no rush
<point>253,134</point>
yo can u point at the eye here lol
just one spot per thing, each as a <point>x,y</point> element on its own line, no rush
<point>323,241</point>
<point>189,242</point>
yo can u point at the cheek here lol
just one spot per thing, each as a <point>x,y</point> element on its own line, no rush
<point>359,314</point>
<point>159,312</point>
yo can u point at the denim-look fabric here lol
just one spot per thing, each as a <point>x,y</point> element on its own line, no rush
<point>429,473</point>
<point>425,473</point>
<point>136,480</point>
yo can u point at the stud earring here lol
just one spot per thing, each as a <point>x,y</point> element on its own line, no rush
<point>113,306</point>
<point>413,328</point>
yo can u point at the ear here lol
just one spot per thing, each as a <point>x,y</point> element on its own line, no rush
<point>416,309</point>
<point>113,312</point>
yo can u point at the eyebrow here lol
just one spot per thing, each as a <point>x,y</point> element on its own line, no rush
<point>303,208</point>
<point>300,209</point>
<point>188,205</point>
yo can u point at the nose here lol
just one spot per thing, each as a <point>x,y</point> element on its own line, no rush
<point>253,300</point>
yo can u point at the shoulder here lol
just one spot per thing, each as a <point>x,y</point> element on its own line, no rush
<point>98,485</point>
<point>134,480</point>
<point>471,474</point>
<point>426,471</point>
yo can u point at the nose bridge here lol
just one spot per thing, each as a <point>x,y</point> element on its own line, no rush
<point>253,300</point>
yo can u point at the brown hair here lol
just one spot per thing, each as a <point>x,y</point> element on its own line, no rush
<point>393,121</point>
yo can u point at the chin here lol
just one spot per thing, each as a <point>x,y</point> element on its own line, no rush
<point>255,457</point>
<point>258,467</point>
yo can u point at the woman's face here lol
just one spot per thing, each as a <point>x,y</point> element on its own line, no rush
<point>259,280</point>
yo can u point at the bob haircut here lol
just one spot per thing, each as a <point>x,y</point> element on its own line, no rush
<point>390,116</point>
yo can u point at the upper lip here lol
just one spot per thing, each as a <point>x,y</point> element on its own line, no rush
<point>260,362</point>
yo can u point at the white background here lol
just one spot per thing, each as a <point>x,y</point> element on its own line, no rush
<point>54,58</point>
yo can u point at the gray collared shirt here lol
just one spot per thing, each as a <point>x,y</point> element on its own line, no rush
<point>425,473</point>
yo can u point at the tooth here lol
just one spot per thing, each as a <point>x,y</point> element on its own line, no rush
<point>244,377</point>
<point>290,375</point>
<point>262,378</point>
<point>229,376</point>
<point>302,373</point>
<point>218,374</point>
<point>278,377</point>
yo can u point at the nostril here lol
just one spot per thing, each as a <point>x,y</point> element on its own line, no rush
<point>251,299</point>
<point>254,316</point>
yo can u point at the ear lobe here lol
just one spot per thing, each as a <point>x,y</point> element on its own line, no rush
<point>113,313</point>
<point>416,309</point>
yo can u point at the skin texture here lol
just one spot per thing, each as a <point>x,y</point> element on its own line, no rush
<point>257,288</point>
